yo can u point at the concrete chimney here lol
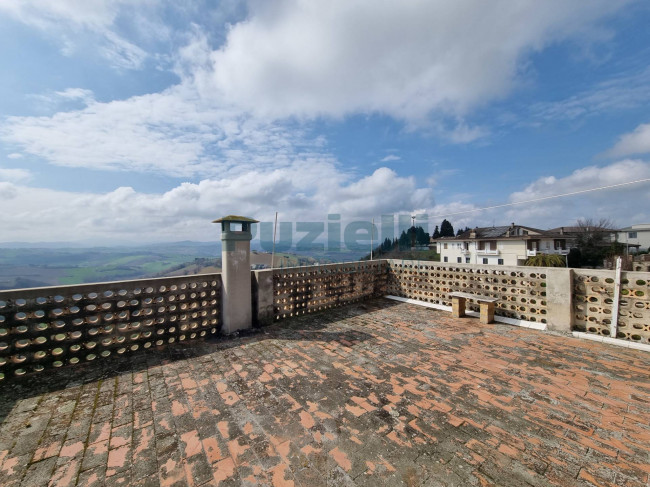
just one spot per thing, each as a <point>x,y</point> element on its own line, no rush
<point>236,304</point>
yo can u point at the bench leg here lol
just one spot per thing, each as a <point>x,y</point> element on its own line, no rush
<point>487,313</point>
<point>457,307</point>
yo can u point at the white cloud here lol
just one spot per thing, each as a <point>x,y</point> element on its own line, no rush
<point>185,212</point>
<point>14,175</point>
<point>391,158</point>
<point>381,192</point>
<point>174,132</point>
<point>67,19</point>
<point>636,142</point>
<point>621,92</point>
<point>56,101</point>
<point>624,205</point>
<point>413,60</point>
<point>405,59</point>
<point>15,155</point>
<point>459,213</point>
<point>87,96</point>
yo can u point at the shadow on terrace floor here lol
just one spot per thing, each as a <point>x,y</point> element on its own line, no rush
<point>313,329</point>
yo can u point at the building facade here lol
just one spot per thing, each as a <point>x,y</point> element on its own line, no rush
<point>635,235</point>
<point>504,245</point>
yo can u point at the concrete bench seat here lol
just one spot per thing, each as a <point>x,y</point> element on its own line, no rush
<point>486,303</point>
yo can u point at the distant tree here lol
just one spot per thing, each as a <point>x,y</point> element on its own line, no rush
<point>546,260</point>
<point>404,241</point>
<point>593,240</point>
<point>421,237</point>
<point>387,245</point>
<point>436,232</point>
<point>615,249</point>
<point>446,229</point>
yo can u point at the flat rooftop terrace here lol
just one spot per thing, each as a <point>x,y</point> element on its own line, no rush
<point>379,393</point>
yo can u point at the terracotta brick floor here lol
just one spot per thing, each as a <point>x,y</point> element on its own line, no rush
<point>374,394</point>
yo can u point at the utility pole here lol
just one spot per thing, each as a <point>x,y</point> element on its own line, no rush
<point>372,235</point>
<point>412,232</point>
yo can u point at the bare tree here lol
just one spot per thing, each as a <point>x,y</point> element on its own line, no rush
<point>591,232</point>
<point>594,239</point>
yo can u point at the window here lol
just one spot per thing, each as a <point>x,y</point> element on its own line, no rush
<point>444,246</point>
<point>487,245</point>
<point>466,260</point>
<point>485,260</point>
<point>500,261</point>
<point>525,232</point>
<point>445,259</point>
<point>459,260</point>
<point>631,235</point>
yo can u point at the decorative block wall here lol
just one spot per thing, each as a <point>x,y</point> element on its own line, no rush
<point>301,290</point>
<point>593,292</point>
<point>521,290</point>
<point>50,327</point>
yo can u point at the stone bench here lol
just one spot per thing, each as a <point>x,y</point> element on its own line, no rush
<point>486,303</point>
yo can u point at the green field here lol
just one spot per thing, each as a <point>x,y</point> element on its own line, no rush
<point>36,267</point>
<point>33,267</point>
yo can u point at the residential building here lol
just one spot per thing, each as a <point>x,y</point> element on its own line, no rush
<point>635,235</point>
<point>504,245</point>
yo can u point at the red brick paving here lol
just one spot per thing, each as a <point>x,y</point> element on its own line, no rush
<point>374,394</point>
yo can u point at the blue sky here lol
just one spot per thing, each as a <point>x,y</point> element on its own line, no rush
<point>142,121</point>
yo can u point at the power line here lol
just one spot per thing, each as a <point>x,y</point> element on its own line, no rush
<point>541,199</point>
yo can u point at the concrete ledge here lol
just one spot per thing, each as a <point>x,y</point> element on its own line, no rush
<point>499,319</point>
<point>262,293</point>
<point>612,341</point>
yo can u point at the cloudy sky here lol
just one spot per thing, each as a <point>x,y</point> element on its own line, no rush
<point>126,121</point>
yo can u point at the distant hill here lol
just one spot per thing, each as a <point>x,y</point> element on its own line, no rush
<point>22,283</point>
<point>36,265</point>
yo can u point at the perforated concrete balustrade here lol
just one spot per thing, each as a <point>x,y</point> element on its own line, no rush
<point>593,292</point>
<point>521,291</point>
<point>50,327</point>
<point>301,290</point>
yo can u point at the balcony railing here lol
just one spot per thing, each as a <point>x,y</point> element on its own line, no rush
<point>487,252</point>
<point>533,253</point>
<point>45,328</point>
<point>50,327</point>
